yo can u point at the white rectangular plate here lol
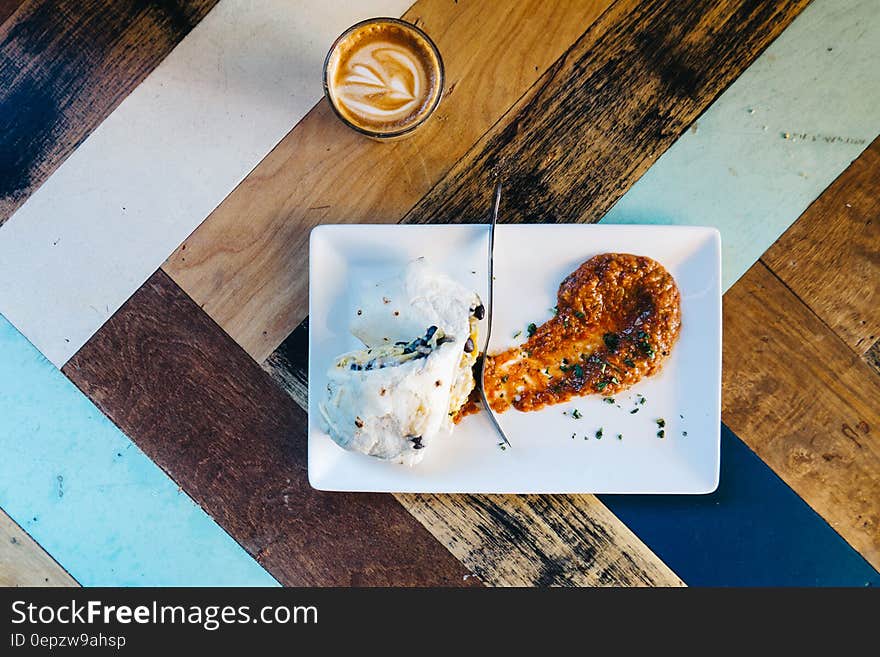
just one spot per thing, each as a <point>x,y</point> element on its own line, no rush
<point>552,452</point>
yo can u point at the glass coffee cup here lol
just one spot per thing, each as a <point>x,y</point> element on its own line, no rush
<point>383,77</point>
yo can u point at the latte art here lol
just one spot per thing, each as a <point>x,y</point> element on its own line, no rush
<point>382,82</point>
<point>383,77</point>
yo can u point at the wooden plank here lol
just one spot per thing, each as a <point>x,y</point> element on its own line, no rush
<point>603,114</point>
<point>9,7</point>
<point>872,357</point>
<point>830,258</point>
<point>509,540</point>
<point>23,562</point>
<point>247,263</point>
<point>540,540</point>
<point>64,66</point>
<point>203,410</point>
<point>806,403</point>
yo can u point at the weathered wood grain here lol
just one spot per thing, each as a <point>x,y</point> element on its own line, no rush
<point>8,7</point>
<point>830,257</point>
<point>203,410</point>
<point>806,403</point>
<point>64,66</point>
<point>607,110</point>
<point>509,540</point>
<point>540,540</point>
<point>247,263</point>
<point>872,357</point>
<point>23,562</point>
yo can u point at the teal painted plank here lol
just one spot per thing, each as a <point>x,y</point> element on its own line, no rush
<point>91,498</point>
<point>819,84</point>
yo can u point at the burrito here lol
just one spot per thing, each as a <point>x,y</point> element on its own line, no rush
<point>391,399</point>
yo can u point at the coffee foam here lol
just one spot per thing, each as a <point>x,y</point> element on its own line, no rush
<point>383,77</point>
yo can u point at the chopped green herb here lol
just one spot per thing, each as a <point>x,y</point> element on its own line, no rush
<point>573,435</point>
<point>602,369</point>
<point>578,371</point>
<point>576,414</point>
<point>620,436</point>
<point>614,380</point>
<point>555,310</point>
<point>629,362</point>
<point>660,422</point>
<point>608,400</point>
<point>517,334</point>
<point>634,411</point>
<point>661,434</point>
<point>531,329</point>
<point>601,385</point>
<point>612,341</point>
<point>599,434</point>
<point>681,416</point>
<point>502,446</point>
<point>643,335</point>
<point>684,433</point>
<point>579,314</point>
<point>641,400</point>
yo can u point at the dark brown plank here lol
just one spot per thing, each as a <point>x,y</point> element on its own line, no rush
<point>8,7</point>
<point>595,122</point>
<point>64,66</point>
<point>830,257</point>
<point>203,410</point>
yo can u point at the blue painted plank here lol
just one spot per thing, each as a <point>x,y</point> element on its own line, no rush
<point>91,498</point>
<point>818,83</point>
<point>753,531</point>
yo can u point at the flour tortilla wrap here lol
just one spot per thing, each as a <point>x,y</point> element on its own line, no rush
<point>392,399</point>
<point>392,402</point>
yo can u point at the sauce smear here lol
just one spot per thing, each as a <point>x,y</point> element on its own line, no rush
<point>618,317</point>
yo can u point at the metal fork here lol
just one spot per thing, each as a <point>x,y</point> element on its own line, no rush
<point>495,203</point>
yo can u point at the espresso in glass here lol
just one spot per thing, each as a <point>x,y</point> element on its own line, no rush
<point>383,77</point>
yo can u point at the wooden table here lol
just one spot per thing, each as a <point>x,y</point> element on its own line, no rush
<point>203,367</point>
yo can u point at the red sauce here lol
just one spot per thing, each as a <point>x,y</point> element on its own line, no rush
<point>618,317</point>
